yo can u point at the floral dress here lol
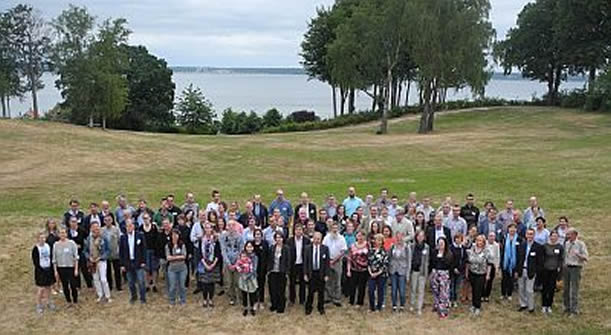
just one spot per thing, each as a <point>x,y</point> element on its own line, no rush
<point>247,268</point>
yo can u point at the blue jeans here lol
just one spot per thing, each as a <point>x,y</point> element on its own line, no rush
<point>377,284</point>
<point>398,288</point>
<point>135,275</point>
<point>176,281</point>
<point>455,284</point>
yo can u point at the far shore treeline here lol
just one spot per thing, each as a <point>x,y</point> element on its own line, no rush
<point>383,48</point>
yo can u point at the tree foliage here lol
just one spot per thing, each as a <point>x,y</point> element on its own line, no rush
<point>195,112</point>
<point>272,118</point>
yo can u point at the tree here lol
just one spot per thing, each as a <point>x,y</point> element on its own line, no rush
<point>150,92</point>
<point>535,47</point>
<point>195,112</point>
<point>599,96</point>
<point>29,38</point>
<point>448,42</point>
<point>585,31</point>
<point>272,118</point>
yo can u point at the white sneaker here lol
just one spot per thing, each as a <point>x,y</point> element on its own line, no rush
<point>549,310</point>
<point>476,312</point>
<point>509,298</point>
<point>99,300</point>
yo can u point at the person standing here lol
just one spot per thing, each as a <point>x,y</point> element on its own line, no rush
<point>261,250</point>
<point>495,259</point>
<point>562,228</point>
<point>260,211</point>
<point>576,256</point>
<point>377,266</point>
<point>75,212</point>
<point>456,223</point>
<point>112,234</point>
<point>458,273</point>
<point>532,213</point>
<point>209,262</point>
<point>399,268</point>
<point>356,269</point>
<point>231,246</point>
<point>246,266</point>
<point>66,263</point>
<point>509,259</point>
<point>478,272</point>
<point>352,202</point>
<point>441,265</point>
<point>316,272</point>
<point>282,204</point>
<point>436,231</point>
<point>553,257</point>
<point>176,254</point>
<point>132,251</point>
<point>150,232</point>
<point>297,245</point>
<point>308,205</point>
<point>403,225</point>
<point>78,235</point>
<point>419,265</point>
<point>278,266</point>
<point>528,261</point>
<point>190,204</point>
<point>97,252</point>
<point>43,273</point>
<point>337,249</point>
<point>469,211</point>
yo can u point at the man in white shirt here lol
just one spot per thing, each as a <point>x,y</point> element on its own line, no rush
<point>337,249</point>
<point>427,209</point>
<point>214,204</point>
<point>297,245</point>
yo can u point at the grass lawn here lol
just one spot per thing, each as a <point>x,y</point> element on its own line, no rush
<point>562,156</point>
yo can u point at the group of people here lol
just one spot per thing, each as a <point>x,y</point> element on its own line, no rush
<point>335,253</point>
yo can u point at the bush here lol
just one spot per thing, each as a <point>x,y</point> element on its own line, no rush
<point>272,118</point>
<point>58,114</point>
<point>302,116</point>
<point>572,99</point>
<point>233,123</point>
<point>599,98</point>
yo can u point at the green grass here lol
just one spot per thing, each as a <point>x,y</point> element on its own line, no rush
<point>562,156</point>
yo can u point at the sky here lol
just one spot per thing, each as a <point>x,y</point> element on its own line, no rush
<point>225,33</point>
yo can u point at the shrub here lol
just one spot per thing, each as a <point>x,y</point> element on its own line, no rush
<point>302,116</point>
<point>572,99</point>
<point>599,98</point>
<point>272,118</point>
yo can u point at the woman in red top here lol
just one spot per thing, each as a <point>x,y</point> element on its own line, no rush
<point>389,240</point>
<point>357,269</point>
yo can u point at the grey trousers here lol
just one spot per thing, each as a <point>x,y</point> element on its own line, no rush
<point>526,288</point>
<point>230,281</point>
<point>417,284</point>
<point>572,277</point>
<point>334,285</point>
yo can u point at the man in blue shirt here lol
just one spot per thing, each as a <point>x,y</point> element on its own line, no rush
<point>352,202</point>
<point>284,205</point>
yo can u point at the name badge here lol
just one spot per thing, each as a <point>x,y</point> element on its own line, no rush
<point>517,243</point>
<point>138,242</point>
<point>424,252</point>
<point>532,253</point>
<point>499,231</point>
<point>66,250</point>
<point>556,251</point>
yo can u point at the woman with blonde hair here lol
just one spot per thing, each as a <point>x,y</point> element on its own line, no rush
<point>377,266</point>
<point>478,271</point>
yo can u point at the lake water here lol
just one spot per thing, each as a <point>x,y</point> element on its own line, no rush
<point>287,93</point>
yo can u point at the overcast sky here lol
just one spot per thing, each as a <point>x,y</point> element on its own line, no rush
<point>232,33</point>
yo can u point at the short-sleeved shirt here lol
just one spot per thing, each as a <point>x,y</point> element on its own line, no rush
<point>478,261</point>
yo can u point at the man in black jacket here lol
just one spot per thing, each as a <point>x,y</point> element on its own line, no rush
<point>437,230</point>
<point>529,258</point>
<point>316,272</point>
<point>78,235</point>
<point>470,212</point>
<point>93,217</point>
<point>132,249</point>
<point>260,211</point>
<point>297,245</point>
<point>74,211</point>
<point>305,203</point>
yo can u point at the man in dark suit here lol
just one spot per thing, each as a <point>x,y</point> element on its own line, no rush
<point>78,235</point>
<point>316,272</point>
<point>305,203</point>
<point>529,259</point>
<point>297,245</point>
<point>437,230</point>
<point>132,248</point>
<point>93,217</point>
<point>260,211</point>
<point>74,211</point>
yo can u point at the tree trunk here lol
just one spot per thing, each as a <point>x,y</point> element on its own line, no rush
<point>342,100</point>
<point>429,97</point>
<point>351,101</point>
<point>550,87</point>
<point>409,84</point>
<point>375,97</point>
<point>399,93</point>
<point>591,78</point>
<point>557,80</point>
<point>104,122</point>
<point>334,101</point>
<point>34,97</point>
<point>8,106</point>
<point>90,120</point>
<point>387,102</point>
<point>3,106</point>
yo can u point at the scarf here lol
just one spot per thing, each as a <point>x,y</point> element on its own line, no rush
<point>509,256</point>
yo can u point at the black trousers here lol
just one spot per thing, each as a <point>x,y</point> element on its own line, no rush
<point>507,284</point>
<point>207,291</point>
<point>114,267</point>
<point>488,286</point>
<point>84,271</point>
<point>358,284</point>
<point>277,291</point>
<point>296,277</point>
<point>248,299</point>
<point>261,289</point>
<point>316,285</point>
<point>548,280</point>
<point>477,288</point>
<point>68,279</point>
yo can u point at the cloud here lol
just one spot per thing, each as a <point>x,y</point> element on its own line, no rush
<point>225,32</point>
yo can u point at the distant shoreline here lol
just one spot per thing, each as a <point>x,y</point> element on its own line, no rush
<point>300,71</point>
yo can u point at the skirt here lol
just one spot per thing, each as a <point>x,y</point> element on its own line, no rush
<point>152,261</point>
<point>209,277</point>
<point>44,277</point>
<point>248,283</point>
